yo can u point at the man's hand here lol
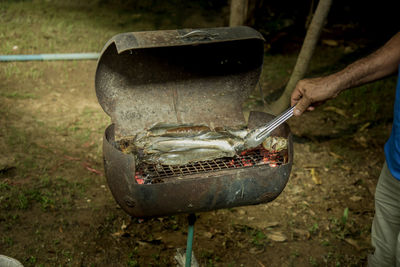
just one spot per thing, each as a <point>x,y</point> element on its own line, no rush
<point>309,93</point>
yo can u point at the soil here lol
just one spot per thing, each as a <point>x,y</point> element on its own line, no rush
<point>56,208</point>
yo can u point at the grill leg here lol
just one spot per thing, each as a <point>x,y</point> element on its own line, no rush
<point>191,220</point>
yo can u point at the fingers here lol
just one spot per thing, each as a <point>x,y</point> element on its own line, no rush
<point>296,96</point>
<point>302,106</point>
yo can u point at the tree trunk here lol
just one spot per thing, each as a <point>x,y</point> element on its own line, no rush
<point>303,60</point>
<point>238,12</point>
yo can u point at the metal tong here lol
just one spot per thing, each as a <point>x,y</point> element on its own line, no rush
<point>258,135</point>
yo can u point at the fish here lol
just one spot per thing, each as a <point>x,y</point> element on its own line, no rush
<point>184,157</point>
<point>188,143</point>
<point>182,144</point>
<point>210,140</point>
<point>240,133</point>
<point>166,129</point>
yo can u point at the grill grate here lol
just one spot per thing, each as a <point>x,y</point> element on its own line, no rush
<point>156,173</point>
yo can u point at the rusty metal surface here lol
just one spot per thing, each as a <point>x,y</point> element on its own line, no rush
<point>184,76</point>
<point>188,194</point>
<point>180,37</point>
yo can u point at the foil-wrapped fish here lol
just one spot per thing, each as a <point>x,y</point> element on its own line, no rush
<point>182,144</point>
<point>179,144</point>
<point>184,157</point>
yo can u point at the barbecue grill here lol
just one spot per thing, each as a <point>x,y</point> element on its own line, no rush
<point>186,76</point>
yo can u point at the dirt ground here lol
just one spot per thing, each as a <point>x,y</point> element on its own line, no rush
<point>56,208</point>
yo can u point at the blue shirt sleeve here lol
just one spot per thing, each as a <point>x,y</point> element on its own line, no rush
<point>392,146</point>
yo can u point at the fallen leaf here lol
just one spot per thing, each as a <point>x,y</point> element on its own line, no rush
<point>121,234</point>
<point>141,243</point>
<point>336,110</point>
<point>208,235</point>
<point>371,186</point>
<point>88,144</point>
<point>330,42</point>
<point>271,224</point>
<point>361,140</point>
<point>276,236</point>
<point>308,167</point>
<point>355,198</point>
<point>259,262</point>
<point>303,234</point>
<point>336,156</point>
<point>348,50</point>
<point>353,243</point>
<point>240,245</point>
<point>87,166</point>
<point>71,158</point>
<point>7,162</point>
<point>123,226</point>
<point>241,212</point>
<point>362,128</point>
<point>296,190</point>
<point>345,167</point>
<point>316,179</point>
<point>117,234</point>
<point>94,171</point>
<point>256,250</point>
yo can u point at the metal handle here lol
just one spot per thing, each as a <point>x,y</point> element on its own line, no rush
<point>198,33</point>
<point>258,135</point>
<point>275,123</point>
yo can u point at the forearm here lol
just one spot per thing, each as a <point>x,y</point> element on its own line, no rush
<point>381,63</point>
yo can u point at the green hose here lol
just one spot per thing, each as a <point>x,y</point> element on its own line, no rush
<point>191,220</point>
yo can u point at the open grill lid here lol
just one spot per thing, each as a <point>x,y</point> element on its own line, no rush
<point>178,76</point>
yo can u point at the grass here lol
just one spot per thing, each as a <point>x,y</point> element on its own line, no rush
<point>259,238</point>
<point>87,25</point>
<point>48,194</point>
<point>314,229</point>
<point>16,95</point>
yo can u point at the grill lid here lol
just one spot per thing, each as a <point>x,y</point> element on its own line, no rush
<point>178,76</point>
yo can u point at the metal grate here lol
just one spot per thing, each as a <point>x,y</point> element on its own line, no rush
<point>155,173</point>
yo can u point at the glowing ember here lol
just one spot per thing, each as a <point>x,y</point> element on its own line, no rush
<point>141,178</point>
<point>273,164</point>
<point>148,174</point>
<point>138,178</point>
